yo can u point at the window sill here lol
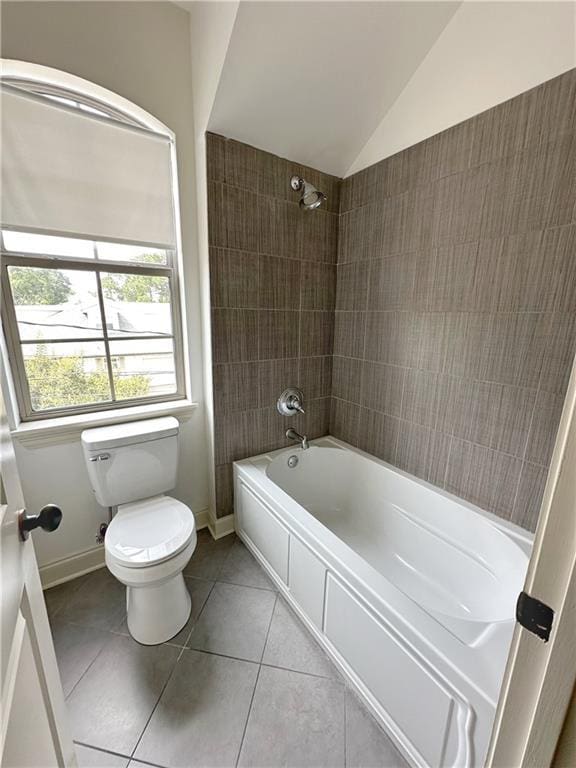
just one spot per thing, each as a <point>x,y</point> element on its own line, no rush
<point>67,428</point>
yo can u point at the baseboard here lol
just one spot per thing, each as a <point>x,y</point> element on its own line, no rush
<point>69,568</point>
<point>221,526</point>
<point>202,519</point>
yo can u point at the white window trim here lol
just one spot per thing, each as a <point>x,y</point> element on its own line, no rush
<point>67,428</point>
<point>42,76</point>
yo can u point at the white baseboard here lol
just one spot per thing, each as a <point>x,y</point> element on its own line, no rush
<point>202,519</point>
<point>71,567</point>
<point>221,526</point>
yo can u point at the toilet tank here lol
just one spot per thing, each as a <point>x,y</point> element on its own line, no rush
<point>127,462</point>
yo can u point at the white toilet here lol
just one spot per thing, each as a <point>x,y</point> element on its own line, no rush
<point>152,536</point>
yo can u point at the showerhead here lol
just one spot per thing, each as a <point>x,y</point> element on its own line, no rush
<point>311,198</point>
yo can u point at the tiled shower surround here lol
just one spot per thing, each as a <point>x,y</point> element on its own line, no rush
<point>273,290</point>
<point>455,315</point>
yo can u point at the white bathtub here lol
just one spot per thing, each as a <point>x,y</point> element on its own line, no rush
<point>410,590</point>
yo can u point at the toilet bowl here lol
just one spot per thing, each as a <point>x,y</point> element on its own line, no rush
<point>152,536</point>
<point>147,546</point>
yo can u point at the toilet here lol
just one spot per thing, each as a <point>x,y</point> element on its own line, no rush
<point>152,536</point>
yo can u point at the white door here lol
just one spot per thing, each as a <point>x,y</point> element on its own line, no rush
<point>33,721</point>
<point>540,676</point>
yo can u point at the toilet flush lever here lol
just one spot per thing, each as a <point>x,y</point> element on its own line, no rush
<point>100,457</point>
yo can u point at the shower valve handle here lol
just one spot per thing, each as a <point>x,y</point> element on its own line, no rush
<point>294,403</point>
<point>290,402</point>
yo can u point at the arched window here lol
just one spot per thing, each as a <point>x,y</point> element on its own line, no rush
<point>89,237</point>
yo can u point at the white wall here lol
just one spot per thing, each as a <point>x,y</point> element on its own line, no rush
<point>310,81</point>
<point>488,53</point>
<point>142,52</point>
<point>211,27</point>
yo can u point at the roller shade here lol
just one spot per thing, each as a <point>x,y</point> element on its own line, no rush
<point>72,172</point>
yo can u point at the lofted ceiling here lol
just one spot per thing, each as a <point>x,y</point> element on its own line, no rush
<point>312,80</point>
<point>340,85</point>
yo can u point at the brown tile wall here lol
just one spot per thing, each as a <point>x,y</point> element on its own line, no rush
<point>456,302</point>
<point>273,290</point>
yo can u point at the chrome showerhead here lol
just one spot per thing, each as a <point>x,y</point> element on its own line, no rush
<point>311,198</point>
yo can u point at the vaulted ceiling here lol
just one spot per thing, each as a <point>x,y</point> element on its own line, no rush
<point>339,85</point>
<point>312,80</point>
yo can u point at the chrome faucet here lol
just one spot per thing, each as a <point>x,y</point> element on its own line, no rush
<point>291,434</point>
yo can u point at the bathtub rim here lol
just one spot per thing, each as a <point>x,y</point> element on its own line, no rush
<point>521,536</point>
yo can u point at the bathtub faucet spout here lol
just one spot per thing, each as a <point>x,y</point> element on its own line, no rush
<point>291,434</point>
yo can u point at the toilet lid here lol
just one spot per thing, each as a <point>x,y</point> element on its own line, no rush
<point>149,531</point>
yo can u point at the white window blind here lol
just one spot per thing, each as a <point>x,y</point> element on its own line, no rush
<point>71,172</point>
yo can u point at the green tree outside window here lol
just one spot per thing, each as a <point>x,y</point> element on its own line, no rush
<point>39,286</point>
<point>138,288</point>
<point>57,382</point>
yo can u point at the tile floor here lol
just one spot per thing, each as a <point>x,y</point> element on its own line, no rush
<point>243,683</point>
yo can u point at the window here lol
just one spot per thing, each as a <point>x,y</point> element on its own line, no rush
<point>92,322</point>
<point>89,324</point>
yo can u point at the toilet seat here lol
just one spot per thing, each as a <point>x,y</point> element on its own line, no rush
<point>147,532</point>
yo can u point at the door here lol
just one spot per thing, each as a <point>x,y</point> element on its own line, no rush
<point>540,676</point>
<point>33,720</point>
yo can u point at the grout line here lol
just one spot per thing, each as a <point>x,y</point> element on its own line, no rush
<point>248,716</point>
<point>526,443</point>
<point>101,749</point>
<point>221,655</point>
<point>104,644</point>
<point>269,626</point>
<point>247,586</point>
<point>300,672</point>
<point>404,377</point>
<point>198,578</point>
<point>256,682</point>
<point>448,457</point>
<point>196,620</point>
<point>168,679</point>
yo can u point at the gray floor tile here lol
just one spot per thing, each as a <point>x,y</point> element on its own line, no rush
<point>291,646</point>
<point>95,758</point>
<point>201,715</point>
<point>367,746</point>
<point>296,720</point>
<point>76,648</point>
<point>99,602</point>
<point>111,704</point>
<point>57,597</point>
<point>234,622</point>
<point>209,556</point>
<point>241,568</point>
<point>199,590</point>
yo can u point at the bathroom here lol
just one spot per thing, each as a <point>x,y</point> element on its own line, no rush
<point>369,243</point>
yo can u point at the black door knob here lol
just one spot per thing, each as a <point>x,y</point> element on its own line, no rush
<point>49,518</point>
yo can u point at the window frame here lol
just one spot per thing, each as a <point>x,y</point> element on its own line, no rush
<point>15,344</point>
<point>133,116</point>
